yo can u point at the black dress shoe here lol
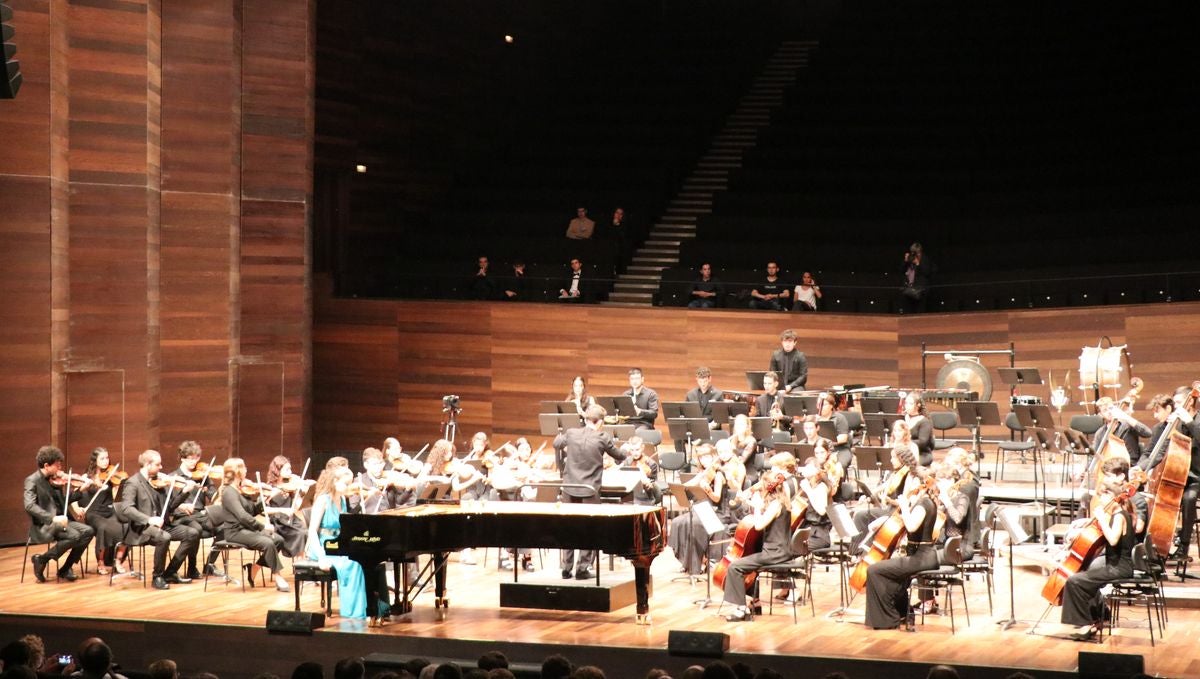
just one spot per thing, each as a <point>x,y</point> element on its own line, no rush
<point>211,569</point>
<point>194,574</point>
<point>39,567</point>
<point>527,565</point>
<point>566,574</point>
<point>159,583</point>
<point>176,579</point>
<point>68,575</point>
<point>584,575</point>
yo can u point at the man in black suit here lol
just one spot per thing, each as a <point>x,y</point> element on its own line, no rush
<point>580,453</point>
<point>770,404</point>
<point>141,504</point>
<point>791,365</point>
<point>645,401</point>
<point>45,503</point>
<point>190,508</point>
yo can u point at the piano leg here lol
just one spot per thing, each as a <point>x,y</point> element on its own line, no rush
<point>439,580</point>
<point>641,582</point>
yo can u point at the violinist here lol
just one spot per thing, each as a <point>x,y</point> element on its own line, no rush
<point>283,505</point>
<point>241,503</point>
<point>1117,420</point>
<point>46,503</point>
<point>771,519</point>
<point>687,537</point>
<point>480,447</point>
<point>1081,601</point>
<point>730,466</point>
<point>645,401</point>
<point>646,492</point>
<point>142,505</point>
<point>920,428</point>
<point>887,580</point>
<point>958,493</point>
<point>770,404</point>
<point>744,446</point>
<point>883,500</point>
<point>827,411</point>
<point>509,471</point>
<point>440,460</point>
<point>97,500</point>
<point>376,491</point>
<point>188,508</point>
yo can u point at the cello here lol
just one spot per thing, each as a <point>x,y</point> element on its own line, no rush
<point>1086,545</point>
<point>1168,479</point>
<point>885,541</point>
<point>747,540</point>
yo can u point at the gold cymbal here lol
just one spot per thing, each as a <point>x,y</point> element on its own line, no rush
<point>966,374</point>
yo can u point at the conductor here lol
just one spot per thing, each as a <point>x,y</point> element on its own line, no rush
<point>580,454</point>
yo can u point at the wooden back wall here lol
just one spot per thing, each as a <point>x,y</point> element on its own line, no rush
<point>382,367</point>
<point>155,177</point>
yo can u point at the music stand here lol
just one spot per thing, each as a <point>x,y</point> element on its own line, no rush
<point>693,430</point>
<point>556,407</point>
<point>799,406</point>
<point>724,411</point>
<point>1019,376</point>
<point>1011,519</point>
<point>1037,420</point>
<point>977,414</point>
<point>673,410</point>
<point>878,458</point>
<point>620,432</point>
<point>553,425</point>
<point>879,404</point>
<point>789,447</point>
<point>803,451</point>
<point>844,533</point>
<point>754,380</point>
<point>434,491</point>
<point>760,427</point>
<point>879,425</point>
<point>827,429</point>
<point>617,405</point>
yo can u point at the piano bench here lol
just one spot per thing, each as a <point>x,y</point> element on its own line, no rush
<point>309,571</point>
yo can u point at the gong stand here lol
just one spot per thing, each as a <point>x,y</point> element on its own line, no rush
<point>975,377</point>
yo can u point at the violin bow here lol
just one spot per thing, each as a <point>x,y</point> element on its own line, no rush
<point>203,482</point>
<point>167,503</point>
<point>115,467</point>
<point>67,493</point>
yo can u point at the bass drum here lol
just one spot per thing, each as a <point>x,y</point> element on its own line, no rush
<point>1102,366</point>
<point>964,373</point>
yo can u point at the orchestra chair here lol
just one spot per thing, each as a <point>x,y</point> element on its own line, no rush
<point>1143,587</point>
<point>672,461</point>
<point>216,516</point>
<point>784,576</point>
<point>25,558</point>
<point>651,437</point>
<point>857,429</point>
<point>1014,447</point>
<point>129,542</point>
<point>943,421</point>
<point>944,578</point>
<point>304,571</point>
<point>982,563</point>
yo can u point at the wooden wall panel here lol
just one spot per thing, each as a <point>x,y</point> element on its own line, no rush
<point>504,358</point>
<point>95,417</point>
<point>259,416</point>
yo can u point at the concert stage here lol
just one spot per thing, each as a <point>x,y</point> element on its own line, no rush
<point>223,630</point>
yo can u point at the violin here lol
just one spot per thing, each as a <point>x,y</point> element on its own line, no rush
<point>205,470</point>
<point>255,488</point>
<point>161,481</point>
<point>295,484</point>
<point>77,481</point>
<point>111,476</point>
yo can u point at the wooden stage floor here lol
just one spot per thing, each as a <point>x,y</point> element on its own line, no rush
<point>772,640</point>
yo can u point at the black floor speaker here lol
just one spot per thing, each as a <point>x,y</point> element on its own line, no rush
<point>1110,665</point>
<point>702,644</point>
<point>294,622</point>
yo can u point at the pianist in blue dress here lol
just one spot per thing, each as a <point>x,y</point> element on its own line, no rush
<point>326,525</point>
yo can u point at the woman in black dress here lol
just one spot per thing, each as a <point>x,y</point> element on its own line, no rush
<point>1082,603</point>
<point>100,515</point>
<point>283,505</point>
<point>887,580</point>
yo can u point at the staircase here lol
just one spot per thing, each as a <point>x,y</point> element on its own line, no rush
<point>637,285</point>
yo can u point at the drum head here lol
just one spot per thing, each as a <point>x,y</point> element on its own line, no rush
<point>966,374</point>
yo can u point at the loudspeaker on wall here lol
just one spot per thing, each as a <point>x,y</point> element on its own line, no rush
<point>10,78</point>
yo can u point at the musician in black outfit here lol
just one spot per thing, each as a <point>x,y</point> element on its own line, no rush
<point>141,504</point>
<point>827,410</point>
<point>920,427</point>
<point>580,453</point>
<point>770,404</point>
<point>791,365</point>
<point>240,523</point>
<point>771,518</point>
<point>99,512</point>
<point>1124,427</point>
<point>887,580</point>
<point>645,401</point>
<point>1185,409</point>
<point>44,503</point>
<point>903,462</point>
<point>189,508</point>
<point>1162,407</point>
<point>1082,603</point>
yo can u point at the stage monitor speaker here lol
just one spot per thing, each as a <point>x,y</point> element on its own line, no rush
<point>1110,665</point>
<point>294,622</point>
<point>10,79</point>
<point>702,644</point>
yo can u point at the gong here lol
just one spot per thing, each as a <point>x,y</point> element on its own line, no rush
<point>966,374</point>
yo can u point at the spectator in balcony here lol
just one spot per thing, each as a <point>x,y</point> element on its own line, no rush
<point>620,233</point>
<point>575,288</point>
<point>771,293</point>
<point>514,284</point>
<point>807,295</point>
<point>707,291</point>
<point>581,227</point>
<point>483,285</point>
<point>918,274</point>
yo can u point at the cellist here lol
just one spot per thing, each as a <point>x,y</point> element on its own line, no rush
<point>771,521</point>
<point>1082,603</point>
<point>904,459</point>
<point>887,590</point>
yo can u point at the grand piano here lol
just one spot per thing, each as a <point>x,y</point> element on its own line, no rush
<point>631,531</point>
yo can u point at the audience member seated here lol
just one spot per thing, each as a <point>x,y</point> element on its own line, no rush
<point>482,285</point>
<point>580,228</point>
<point>515,289</point>
<point>771,293</point>
<point>807,295</point>
<point>575,287</point>
<point>707,291</point>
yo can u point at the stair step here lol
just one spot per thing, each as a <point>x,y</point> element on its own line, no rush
<point>719,164</point>
<point>657,252</point>
<point>620,287</point>
<point>640,277</point>
<point>692,204</point>
<point>629,305</point>
<point>644,269</point>
<point>665,261</point>
<point>679,217</point>
<point>629,300</point>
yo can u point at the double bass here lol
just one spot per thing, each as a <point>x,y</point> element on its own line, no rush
<point>1168,479</point>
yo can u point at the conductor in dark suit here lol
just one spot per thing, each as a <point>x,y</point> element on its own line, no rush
<point>791,365</point>
<point>141,504</point>
<point>44,503</point>
<point>580,453</point>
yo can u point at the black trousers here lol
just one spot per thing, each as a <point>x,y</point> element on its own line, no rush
<point>587,557</point>
<point>1082,604</point>
<point>189,542</point>
<point>268,545</point>
<point>72,539</point>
